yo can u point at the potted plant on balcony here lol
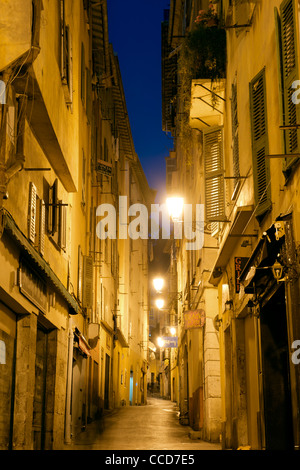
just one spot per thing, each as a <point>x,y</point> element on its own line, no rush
<point>202,56</point>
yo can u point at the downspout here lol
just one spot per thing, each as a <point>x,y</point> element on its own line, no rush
<point>68,433</point>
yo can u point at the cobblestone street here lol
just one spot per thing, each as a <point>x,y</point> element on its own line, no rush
<point>151,427</point>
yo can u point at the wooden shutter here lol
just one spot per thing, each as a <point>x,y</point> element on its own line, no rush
<point>87,294</point>
<point>53,208</point>
<point>83,87</point>
<point>42,227</point>
<point>62,48</point>
<point>88,95</point>
<point>214,177</point>
<point>261,170</point>
<point>79,277</point>
<point>290,74</point>
<point>62,226</point>
<point>32,212</point>
<point>235,139</point>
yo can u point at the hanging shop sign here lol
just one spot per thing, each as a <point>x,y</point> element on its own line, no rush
<point>194,319</point>
<point>104,168</point>
<point>170,341</point>
<point>33,287</point>
<point>239,264</point>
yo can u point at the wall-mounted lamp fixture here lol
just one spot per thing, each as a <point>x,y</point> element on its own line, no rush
<point>160,303</point>
<point>175,208</point>
<point>252,308</point>
<point>277,270</point>
<point>158,284</point>
<point>228,305</point>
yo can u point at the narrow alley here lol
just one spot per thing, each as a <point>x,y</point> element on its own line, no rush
<point>154,426</point>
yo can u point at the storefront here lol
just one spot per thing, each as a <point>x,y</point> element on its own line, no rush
<point>270,276</point>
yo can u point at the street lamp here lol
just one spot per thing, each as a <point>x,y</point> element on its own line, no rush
<point>158,283</point>
<point>160,303</point>
<point>175,208</point>
<point>173,331</point>
<point>160,342</point>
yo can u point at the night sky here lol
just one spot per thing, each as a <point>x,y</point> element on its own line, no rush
<point>135,32</point>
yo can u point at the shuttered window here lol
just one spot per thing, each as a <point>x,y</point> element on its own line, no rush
<point>32,212</point>
<point>214,177</point>
<point>87,294</point>
<point>66,57</point>
<point>42,227</point>
<point>62,226</point>
<point>235,139</point>
<point>288,73</point>
<point>261,171</point>
<point>83,88</point>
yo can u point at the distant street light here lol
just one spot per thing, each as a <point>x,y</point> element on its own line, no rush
<point>175,208</point>
<point>160,342</point>
<point>173,331</point>
<point>160,303</point>
<point>158,284</point>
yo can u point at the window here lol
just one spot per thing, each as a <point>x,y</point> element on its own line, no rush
<point>288,73</point>
<point>57,218</point>
<point>261,170</point>
<point>83,192</point>
<point>214,178</point>
<point>36,219</point>
<point>66,58</point>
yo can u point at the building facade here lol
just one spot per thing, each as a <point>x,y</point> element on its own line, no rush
<point>257,268</point>
<point>69,339</point>
<point>198,361</point>
<point>235,122</point>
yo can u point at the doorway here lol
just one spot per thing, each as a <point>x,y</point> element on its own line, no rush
<point>131,388</point>
<point>40,390</point>
<point>276,378</point>
<point>106,386</point>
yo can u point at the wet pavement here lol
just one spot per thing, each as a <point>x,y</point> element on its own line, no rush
<point>154,426</point>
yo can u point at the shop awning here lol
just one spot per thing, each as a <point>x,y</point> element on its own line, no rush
<point>257,274</point>
<point>237,228</point>
<point>82,342</point>
<point>11,228</point>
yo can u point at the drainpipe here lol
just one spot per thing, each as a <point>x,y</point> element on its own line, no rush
<point>69,385</point>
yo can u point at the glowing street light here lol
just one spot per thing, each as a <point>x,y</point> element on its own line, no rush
<point>160,303</point>
<point>160,342</point>
<point>158,284</point>
<point>173,331</point>
<point>175,208</point>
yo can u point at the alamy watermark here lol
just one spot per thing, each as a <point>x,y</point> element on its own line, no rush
<point>136,223</point>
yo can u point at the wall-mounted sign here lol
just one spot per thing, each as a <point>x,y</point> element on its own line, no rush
<point>194,319</point>
<point>239,264</point>
<point>33,287</point>
<point>104,168</point>
<point>170,341</point>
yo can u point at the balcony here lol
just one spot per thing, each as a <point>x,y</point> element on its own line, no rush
<point>207,103</point>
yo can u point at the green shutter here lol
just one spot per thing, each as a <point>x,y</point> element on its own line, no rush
<point>261,168</point>
<point>290,74</point>
<point>214,176</point>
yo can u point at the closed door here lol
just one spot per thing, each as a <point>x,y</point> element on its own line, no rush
<point>40,390</point>
<point>106,390</point>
